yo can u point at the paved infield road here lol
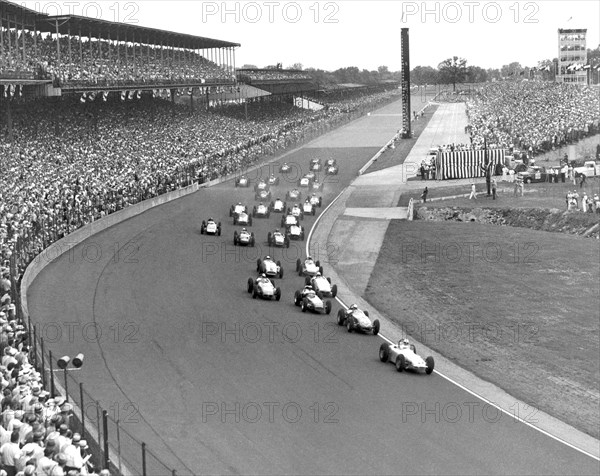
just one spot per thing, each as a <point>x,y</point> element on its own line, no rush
<point>227,384</point>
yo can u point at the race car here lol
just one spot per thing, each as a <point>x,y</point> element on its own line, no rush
<point>277,238</point>
<point>237,209</point>
<point>210,227</point>
<point>321,285</point>
<point>288,220</point>
<point>272,180</point>
<point>316,201</point>
<point>263,195</point>
<point>316,186</point>
<point>261,185</point>
<point>296,211</point>
<point>295,232</point>
<point>261,210</point>
<point>263,287</point>
<point>310,175</point>
<point>283,168</point>
<point>242,219</point>
<point>307,207</point>
<point>243,181</point>
<point>294,194</point>
<point>308,267</point>
<point>331,167</point>
<point>304,182</point>
<point>243,238</point>
<point>278,206</point>
<point>404,356</point>
<point>308,300</point>
<point>269,267</point>
<point>357,320</point>
<point>315,164</point>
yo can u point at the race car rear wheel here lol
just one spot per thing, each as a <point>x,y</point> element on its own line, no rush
<point>321,270</point>
<point>376,327</point>
<point>341,317</point>
<point>329,280</point>
<point>384,352</point>
<point>349,325</point>
<point>400,363</point>
<point>297,298</point>
<point>334,290</point>
<point>298,264</point>
<point>277,294</point>
<point>306,280</point>
<point>327,307</point>
<point>303,305</point>
<point>250,285</point>
<point>280,272</point>
<point>430,365</point>
<point>366,313</point>
<point>219,231</point>
<point>258,265</point>
<point>318,264</point>
<point>254,293</point>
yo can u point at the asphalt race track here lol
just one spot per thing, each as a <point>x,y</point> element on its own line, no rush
<point>227,384</point>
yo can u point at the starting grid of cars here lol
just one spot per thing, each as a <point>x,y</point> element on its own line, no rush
<point>318,290</point>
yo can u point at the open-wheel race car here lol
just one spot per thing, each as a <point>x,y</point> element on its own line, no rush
<point>243,181</point>
<point>315,165</point>
<point>356,319</point>
<point>296,210</point>
<point>295,232</point>
<point>404,356</point>
<point>278,206</point>
<point>305,181</point>
<point>288,220</point>
<point>277,238</point>
<point>269,267</point>
<point>285,167</point>
<point>331,167</point>
<point>308,207</point>
<point>294,194</point>
<point>263,194</point>
<point>237,209</point>
<point>308,267</point>
<point>309,300</point>
<point>263,287</point>
<point>321,285</point>
<point>261,211</point>
<point>210,227</point>
<point>272,180</point>
<point>316,201</point>
<point>243,218</point>
<point>316,186</point>
<point>243,238</point>
<point>261,185</point>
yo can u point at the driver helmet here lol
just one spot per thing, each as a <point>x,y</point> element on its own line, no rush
<point>354,307</point>
<point>318,274</point>
<point>263,275</point>
<point>243,229</point>
<point>239,203</point>
<point>404,342</point>
<point>210,219</point>
<point>308,287</point>
<point>267,257</point>
<point>308,257</point>
<point>277,230</point>
<point>261,204</point>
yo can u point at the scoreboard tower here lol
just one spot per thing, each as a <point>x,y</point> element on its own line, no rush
<point>405,83</point>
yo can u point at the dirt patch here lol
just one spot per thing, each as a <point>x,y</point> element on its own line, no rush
<point>516,307</point>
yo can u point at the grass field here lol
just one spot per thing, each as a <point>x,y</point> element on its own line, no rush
<point>519,308</point>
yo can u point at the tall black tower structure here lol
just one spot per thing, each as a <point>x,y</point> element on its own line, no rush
<point>405,83</point>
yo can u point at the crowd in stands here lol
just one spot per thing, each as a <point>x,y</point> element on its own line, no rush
<point>532,116</point>
<point>92,64</point>
<point>272,75</point>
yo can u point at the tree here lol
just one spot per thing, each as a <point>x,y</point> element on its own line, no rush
<point>424,75</point>
<point>297,66</point>
<point>475,74</point>
<point>453,70</point>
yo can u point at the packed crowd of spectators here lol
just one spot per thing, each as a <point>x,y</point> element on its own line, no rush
<point>271,75</point>
<point>532,116</point>
<point>92,64</point>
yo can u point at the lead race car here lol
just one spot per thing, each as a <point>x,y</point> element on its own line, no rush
<point>357,320</point>
<point>277,238</point>
<point>404,356</point>
<point>308,300</point>
<point>288,220</point>
<point>295,232</point>
<point>261,211</point>
<point>243,238</point>
<point>268,266</point>
<point>308,267</point>
<point>321,285</point>
<point>264,288</point>
<point>210,227</point>
<point>278,206</point>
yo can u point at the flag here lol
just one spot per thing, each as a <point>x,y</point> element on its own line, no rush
<point>20,90</point>
<point>123,95</point>
<point>12,90</point>
<point>587,66</point>
<point>139,94</point>
<point>104,95</point>
<point>83,97</point>
<point>130,94</point>
<point>92,96</point>
<point>190,91</point>
<point>154,92</point>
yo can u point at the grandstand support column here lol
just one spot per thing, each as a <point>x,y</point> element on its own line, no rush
<point>133,46</point>
<point>9,123</point>
<point>8,34</point>
<point>80,49</point>
<point>57,44</point>
<point>23,36</point>
<point>192,102</point>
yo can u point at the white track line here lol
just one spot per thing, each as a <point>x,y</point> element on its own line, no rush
<point>489,402</point>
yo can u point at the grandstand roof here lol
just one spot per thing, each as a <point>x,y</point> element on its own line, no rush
<point>104,29</point>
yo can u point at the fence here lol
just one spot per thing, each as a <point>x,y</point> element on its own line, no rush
<point>112,445</point>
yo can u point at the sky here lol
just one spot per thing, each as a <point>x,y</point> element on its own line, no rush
<point>334,34</point>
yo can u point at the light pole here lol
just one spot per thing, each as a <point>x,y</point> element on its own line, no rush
<point>63,364</point>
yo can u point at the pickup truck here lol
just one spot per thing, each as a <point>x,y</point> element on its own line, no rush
<point>590,168</point>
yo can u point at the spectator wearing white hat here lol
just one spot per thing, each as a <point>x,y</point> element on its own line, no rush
<point>10,453</point>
